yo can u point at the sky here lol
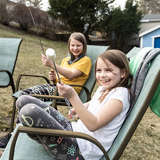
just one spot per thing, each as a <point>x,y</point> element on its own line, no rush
<point>120,3</point>
<point>45,6</point>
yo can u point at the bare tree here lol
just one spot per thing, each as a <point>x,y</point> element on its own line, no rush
<point>33,3</point>
<point>32,18</point>
<point>21,15</point>
<point>21,1</point>
<point>44,24</point>
<point>36,3</point>
<point>150,6</point>
<point>4,19</point>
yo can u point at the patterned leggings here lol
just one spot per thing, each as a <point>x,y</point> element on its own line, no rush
<point>44,89</point>
<point>35,113</point>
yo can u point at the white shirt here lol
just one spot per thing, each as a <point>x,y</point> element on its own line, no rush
<point>106,134</point>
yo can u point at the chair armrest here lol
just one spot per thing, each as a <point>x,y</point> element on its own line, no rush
<point>11,82</point>
<point>47,96</point>
<point>51,132</point>
<point>29,75</point>
<point>60,97</point>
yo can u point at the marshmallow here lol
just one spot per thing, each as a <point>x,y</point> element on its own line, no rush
<point>27,4</point>
<point>50,53</point>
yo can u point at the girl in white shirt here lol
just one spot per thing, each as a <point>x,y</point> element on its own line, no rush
<point>101,117</point>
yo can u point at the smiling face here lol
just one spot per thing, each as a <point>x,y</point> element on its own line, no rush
<point>76,47</point>
<point>107,74</point>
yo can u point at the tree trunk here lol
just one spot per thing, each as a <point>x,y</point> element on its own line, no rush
<point>3,12</point>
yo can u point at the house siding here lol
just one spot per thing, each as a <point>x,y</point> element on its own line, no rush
<point>148,39</point>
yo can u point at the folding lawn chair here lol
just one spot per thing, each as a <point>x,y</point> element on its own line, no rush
<point>9,49</point>
<point>21,147</point>
<point>133,51</point>
<point>93,52</point>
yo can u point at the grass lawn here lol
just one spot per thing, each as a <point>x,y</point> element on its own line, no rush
<point>144,145</point>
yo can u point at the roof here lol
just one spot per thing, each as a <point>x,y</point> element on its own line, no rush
<point>151,18</point>
<point>148,31</point>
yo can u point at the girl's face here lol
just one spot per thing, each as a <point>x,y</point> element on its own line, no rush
<point>107,74</point>
<point>76,47</point>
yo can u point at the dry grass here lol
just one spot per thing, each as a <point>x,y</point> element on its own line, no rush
<point>29,62</point>
<point>144,145</point>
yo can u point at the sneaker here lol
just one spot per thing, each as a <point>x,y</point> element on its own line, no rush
<point>4,140</point>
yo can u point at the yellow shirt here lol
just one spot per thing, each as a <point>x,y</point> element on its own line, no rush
<point>83,65</point>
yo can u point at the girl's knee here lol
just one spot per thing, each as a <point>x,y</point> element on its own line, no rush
<point>22,100</point>
<point>27,114</point>
<point>28,109</point>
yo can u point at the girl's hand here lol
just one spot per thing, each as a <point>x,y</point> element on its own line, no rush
<point>65,90</point>
<point>45,61</point>
<point>52,76</point>
<point>72,114</point>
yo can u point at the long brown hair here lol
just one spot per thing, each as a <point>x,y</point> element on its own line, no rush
<point>119,59</point>
<point>81,38</point>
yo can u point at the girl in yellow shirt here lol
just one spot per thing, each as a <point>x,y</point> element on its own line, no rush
<point>73,70</point>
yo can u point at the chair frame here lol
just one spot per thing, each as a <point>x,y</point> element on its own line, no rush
<point>17,43</point>
<point>49,132</point>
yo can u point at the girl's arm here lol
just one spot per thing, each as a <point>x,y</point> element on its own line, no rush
<point>67,72</point>
<point>93,122</point>
<point>73,112</point>
<point>86,104</point>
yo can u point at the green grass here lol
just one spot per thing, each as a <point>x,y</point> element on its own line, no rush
<point>144,145</point>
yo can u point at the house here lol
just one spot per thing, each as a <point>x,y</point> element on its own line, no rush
<point>150,31</point>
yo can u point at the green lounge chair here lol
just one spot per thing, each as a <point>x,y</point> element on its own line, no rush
<point>9,49</point>
<point>21,146</point>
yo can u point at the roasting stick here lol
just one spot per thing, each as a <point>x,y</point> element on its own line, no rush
<point>50,53</point>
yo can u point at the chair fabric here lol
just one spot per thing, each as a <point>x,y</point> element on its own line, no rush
<point>139,66</point>
<point>133,52</point>
<point>9,49</point>
<point>26,148</point>
<point>149,87</point>
<point>141,72</point>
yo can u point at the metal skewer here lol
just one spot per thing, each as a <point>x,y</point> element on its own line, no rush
<point>59,80</point>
